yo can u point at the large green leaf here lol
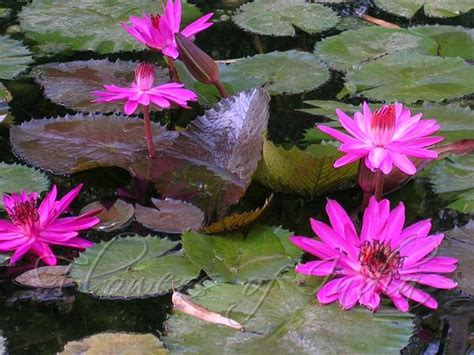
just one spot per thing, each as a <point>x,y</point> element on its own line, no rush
<point>280,17</point>
<point>409,77</point>
<point>85,25</point>
<point>71,84</point>
<point>453,41</point>
<point>283,317</point>
<point>70,144</point>
<point>5,98</point>
<point>459,243</point>
<point>131,267</point>
<point>432,8</point>
<point>5,14</point>
<point>306,172</point>
<point>16,178</point>
<point>14,57</point>
<point>263,254</point>
<point>355,47</point>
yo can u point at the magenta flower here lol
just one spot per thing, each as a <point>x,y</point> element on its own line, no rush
<point>157,32</point>
<point>142,92</point>
<point>33,229</point>
<point>385,138</point>
<point>386,258</point>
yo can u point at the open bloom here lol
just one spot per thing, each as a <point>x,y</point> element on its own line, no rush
<point>385,138</point>
<point>33,228</point>
<point>157,32</point>
<point>142,92</point>
<point>385,258</point>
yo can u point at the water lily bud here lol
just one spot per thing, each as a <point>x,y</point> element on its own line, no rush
<point>199,64</point>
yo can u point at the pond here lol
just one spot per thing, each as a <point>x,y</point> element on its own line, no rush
<point>212,214</point>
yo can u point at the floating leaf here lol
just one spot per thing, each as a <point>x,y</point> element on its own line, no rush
<point>409,77</point>
<point>453,41</point>
<point>16,178</point>
<point>459,243</point>
<point>236,221</point>
<point>14,57</point>
<point>116,343</point>
<point>5,14</point>
<point>3,260</point>
<point>352,48</point>
<point>88,25</point>
<point>307,172</point>
<point>432,8</point>
<point>170,216</point>
<point>113,218</point>
<point>3,346</point>
<point>280,17</point>
<point>353,22</point>
<point>70,84</point>
<point>263,254</point>
<point>46,277</point>
<point>283,317</point>
<point>70,144</point>
<point>211,163</point>
<point>132,267</point>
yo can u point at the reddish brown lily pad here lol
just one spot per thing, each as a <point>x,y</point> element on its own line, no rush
<point>46,277</point>
<point>112,218</point>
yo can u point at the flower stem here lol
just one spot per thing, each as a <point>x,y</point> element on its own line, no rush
<point>379,177</point>
<point>222,91</point>
<point>148,132</point>
<point>172,69</point>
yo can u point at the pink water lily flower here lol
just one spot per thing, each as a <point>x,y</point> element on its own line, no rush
<point>385,138</point>
<point>157,32</point>
<point>142,92</point>
<point>33,228</point>
<point>385,258</point>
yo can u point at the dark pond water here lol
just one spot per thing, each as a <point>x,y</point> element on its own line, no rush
<point>40,322</point>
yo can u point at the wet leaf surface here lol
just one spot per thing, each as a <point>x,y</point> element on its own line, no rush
<point>112,218</point>
<point>432,8</point>
<point>170,216</point>
<point>14,57</point>
<point>283,316</point>
<point>70,84</point>
<point>46,277</point>
<point>262,254</point>
<point>280,17</point>
<point>3,345</point>
<point>4,259</point>
<point>132,267</point>
<point>70,144</point>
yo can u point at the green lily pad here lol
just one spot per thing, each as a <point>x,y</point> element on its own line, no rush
<point>116,343</point>
<point>353,22</point>
<point>69,144</point>
<point>88,25</point>
<point>352,48</point>
<point>14,57</point>
<point>280,17</point>
<point>410,77</point>
<point>132,267</point>
<point>453,41</point>
<point>71,84</point>
<point>459,243</point>
<point>453,178</point>
<point>432,8</point>
<point>306,172</point>
<point>5,98</point>
<point>283,317</point>
<point>263,254</point>
<point>5,14</point>
<point>16,178</point>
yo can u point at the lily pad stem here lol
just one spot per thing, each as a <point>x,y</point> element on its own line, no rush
<point>148,133</point>
<point>379,177</point>
<point>222,91</point>
<point>172,69</point>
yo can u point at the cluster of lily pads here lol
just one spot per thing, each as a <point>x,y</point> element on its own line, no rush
<point>202,171</point>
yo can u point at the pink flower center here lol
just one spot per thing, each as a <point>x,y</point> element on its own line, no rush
<point>155,21</point>
<point>383,125</point>
<point>144,76</point>
<point>24,213</point>
<point>378,259</point>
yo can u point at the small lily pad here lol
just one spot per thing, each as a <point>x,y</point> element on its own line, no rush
<point>357,47</point>
<point>71,84</point>
<point>280,17</point>
<point>307,172</point>
<point>16,178</point>
<point>14,57</point>
<point>283,317</point>
<point>4,259</point>
<point>170,216</point>
<point>263,254</point>
<point>113,218</point>
<point>46,277</point>
<point>132,267</point>
<point>410,77</point>
<point>432,8</point>
<point>116,343</point>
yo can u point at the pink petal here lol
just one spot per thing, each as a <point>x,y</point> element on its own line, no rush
<point>438,264</point>
<point>130,107</point>
<point>376,156</point>
<point>335,134</point>
<point>346,159</point>
<point>417,248</point>
<point>350,126</point>
<point>197,26</point>
<point>403,163</point>
<point>13,243</point>
<point>350,295</point>
<point>418,296</point>
<point>419,229</point>
<point>314,247</point>
<point>19,253</point>
<point>329,292</point>
<point>432,280</point>
<point>394,225</point>
<point>329,236</point>
<point>317,268</point>
<point>44,252</point>
<point>7,227</point>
